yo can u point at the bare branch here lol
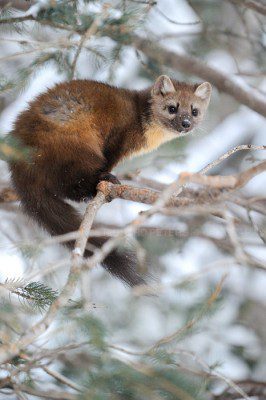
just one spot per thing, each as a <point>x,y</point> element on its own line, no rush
<point>241,147</point>
<point>173,21</point>
<point>63,379</point>
<point>221,182</point>
<point>146,196</point>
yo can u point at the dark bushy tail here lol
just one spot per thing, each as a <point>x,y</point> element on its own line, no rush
<point>120,263</point>
<point>58,218</point>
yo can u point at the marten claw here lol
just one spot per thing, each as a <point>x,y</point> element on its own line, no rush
<point>110,178</point>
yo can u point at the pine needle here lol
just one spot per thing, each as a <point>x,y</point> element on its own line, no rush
<point>34,294</point>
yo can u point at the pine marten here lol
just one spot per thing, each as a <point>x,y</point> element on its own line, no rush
<point>78,131</point>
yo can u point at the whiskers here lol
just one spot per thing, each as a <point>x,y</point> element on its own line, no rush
<point>203,128</point>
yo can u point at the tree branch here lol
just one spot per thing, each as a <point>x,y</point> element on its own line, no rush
<point>61,378</point>
<point>252,5</point>
<point>229,153</point>
<point>139,195</point>
<point>221,182</point>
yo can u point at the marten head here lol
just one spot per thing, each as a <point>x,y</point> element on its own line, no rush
<point>178,106</point>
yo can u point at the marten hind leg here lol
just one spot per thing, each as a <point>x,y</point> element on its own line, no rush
<point>80,178</point>
<point>84,186</point>
<point>107,176</point>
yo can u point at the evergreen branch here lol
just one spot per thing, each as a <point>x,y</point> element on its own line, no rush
<point>35,294</point>
<point>25,18</point>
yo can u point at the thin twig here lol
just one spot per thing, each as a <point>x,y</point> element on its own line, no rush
<point>89,32</point>
<point>241,147</point>
<point>63,379</point>
<point>173,21</point>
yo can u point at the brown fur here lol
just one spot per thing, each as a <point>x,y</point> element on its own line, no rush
<point>77,132</point>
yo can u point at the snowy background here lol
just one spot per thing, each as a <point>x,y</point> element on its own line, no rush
<point>234,335</point>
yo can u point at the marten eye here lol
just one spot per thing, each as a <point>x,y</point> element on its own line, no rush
<point>195,112</point>
<point>172,109</point>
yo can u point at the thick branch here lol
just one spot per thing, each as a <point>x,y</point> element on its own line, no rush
<point>150,196</point>
<point>192,65</point>
<point>140,195</point>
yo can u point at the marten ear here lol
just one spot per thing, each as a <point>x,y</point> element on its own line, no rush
<point>163,86</point>
<point>203,91</point>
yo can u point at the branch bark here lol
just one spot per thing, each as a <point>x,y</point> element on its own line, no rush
<point>150,196</point>
<point>139,195</point>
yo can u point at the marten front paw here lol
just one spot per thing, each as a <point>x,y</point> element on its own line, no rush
<point>110,178</point>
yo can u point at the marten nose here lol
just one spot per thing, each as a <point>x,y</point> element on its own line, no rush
<point>186,123</point>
